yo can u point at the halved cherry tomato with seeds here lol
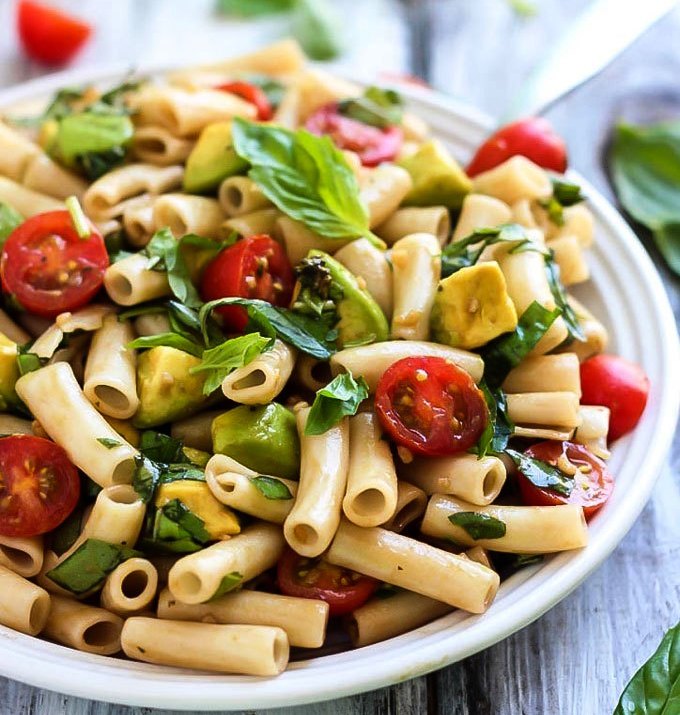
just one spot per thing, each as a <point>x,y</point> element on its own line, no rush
<point>430,406</point>
<point>253,94</point>
<point>593,482</point>
<point>254,267</point>
<point>48,268</point>
<point>342,589</point>
<point>39,487</point>
<point>372,144</point>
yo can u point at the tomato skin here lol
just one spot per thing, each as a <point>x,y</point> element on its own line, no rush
<point>49,35</point>
<point>372,144</point>
<point>49,268</point>
<point>430,406</point>
<point>591,489</point>
<point>253,94</point>
<point>618,384</point>
<point>39,487</point>
<point>254,267</point>
<point>533,137</point>
<point>315,578</point>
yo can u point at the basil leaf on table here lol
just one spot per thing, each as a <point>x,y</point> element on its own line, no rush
<point>655,688</point>
<point>306,177</point>
<point>645,166</point>
<point>10,218</point>
<point>316,26</point>
<point>541,474</point>
<point>229,356</point>
<point>271,488</point>
<point>377,107</point>
<point>340,398</point>
<point>478,525</point>
<point>89,565</point>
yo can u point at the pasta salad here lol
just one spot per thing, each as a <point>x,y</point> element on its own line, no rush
<point>271,358</point>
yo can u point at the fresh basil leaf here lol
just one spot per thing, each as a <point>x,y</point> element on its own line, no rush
<point>162,448</point>
<point>62,103</point>
<point>309,336</point>
<point>271,488</point>
<point>560,297</point>
<point>175,510</point>
<point>142,309</point>
<point>228,583</point>
<point>541,474</point>
<point>148,474</point>
<point>171,340</point>
<point>28,361</point>
<point>10,218</point>
<point>306,177</point>
<point>655,687</point>
<point>232,354</point>
<point>65,535</point>
<point>89,565</point>
<point>645,164</point>
<point>565,193</point>
<point>478,525</point>
<point>340,398</point>
<point>499,426</point>
<point>187,316</point>
<point>253,8</point>
<point>506,352</point>
<point>108,442</point>
<point>377,107</point>
<point>316,26</point>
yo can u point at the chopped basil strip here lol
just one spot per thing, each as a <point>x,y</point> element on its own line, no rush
<point>65,535</point>
<point>506,352</point>
<point>478,525</point>
<point>564,194</point>
<point>523,560</point>
<point>655,688</point>
<point>499,426</point>
<point>9,220</point>
<point>149,474</point>
<point>561,301</point>
<point>177,529</point>
<point>340,398</point>
<point>271,488</point>
<point>89,565</point>
<point>378,107</point>
<point>228,583</point>
<point>171,340</point>
<point>108,442</point>
<point>232,354</point>
<point>28,361</point>
<point>305,176</point>
<point>541,474</point>
<point>161,447</point>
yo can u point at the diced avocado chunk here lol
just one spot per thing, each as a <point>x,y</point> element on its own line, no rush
<point>167,391</point>
<point>212,159</point>
<point>262,438</point>
<point>219,520</point>
<point>9,373</point>
<point>361,319</point>
<point>437,177</point>
<point>472,306</point>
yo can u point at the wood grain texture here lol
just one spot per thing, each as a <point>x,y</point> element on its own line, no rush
<point>575,659</point>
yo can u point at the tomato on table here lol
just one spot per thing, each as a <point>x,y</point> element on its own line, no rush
<point>373,145</point>
<point>430,406</point>
<point>39,487</point>
<point>618,384</point>
<point>533,138</point>
<point>593,482</point>
<point>342,589</point>
<point>48,268</point>
<point>253,94</point>
<point>49,35</point>
<point>254,267</point>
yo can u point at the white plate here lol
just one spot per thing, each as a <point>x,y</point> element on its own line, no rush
<point>625,293</point>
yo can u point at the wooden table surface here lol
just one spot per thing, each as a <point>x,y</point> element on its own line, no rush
<point>575,659</point>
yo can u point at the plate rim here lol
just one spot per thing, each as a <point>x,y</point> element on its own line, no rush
<point>18,658</point>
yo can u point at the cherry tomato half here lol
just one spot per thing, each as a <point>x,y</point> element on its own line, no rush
<point>49,268</point>
<point>593,482</point>
<point>430,406</point>
<point>533,137</point>
<point>39,487</point>
<point>254,267</point>
<point>372,144</point>
<point>618,384</point>
<point>342,589</point>
<point>49,35</point>
<point>253,94</point>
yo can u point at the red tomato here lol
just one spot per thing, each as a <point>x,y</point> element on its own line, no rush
<point>253,94</point>
<point>49,35</point>
<point>592,486</point>
<point>372,144</point>
<point>618,384</point>
<point>254,267</point>
<point>49,268</point>
<point>39,487</point>
<point>430,406</point>
<point>533,137</point>
<point>342,589</point>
